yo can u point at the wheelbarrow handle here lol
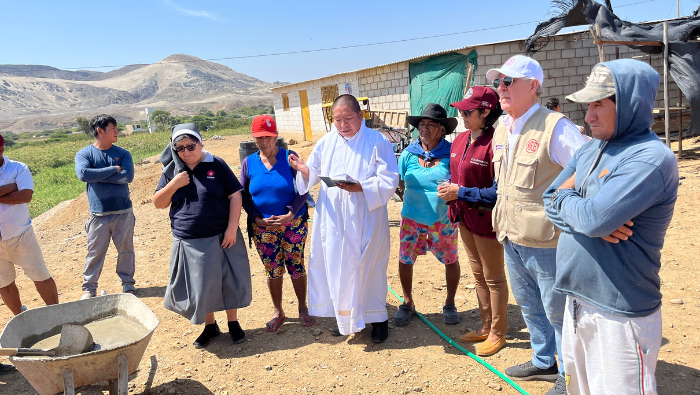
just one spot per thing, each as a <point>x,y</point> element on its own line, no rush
<point>26,352</point>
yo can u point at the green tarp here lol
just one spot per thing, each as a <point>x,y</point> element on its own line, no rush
<point>439,79</point>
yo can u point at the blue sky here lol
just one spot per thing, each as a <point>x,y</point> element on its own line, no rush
<point>72,34</point>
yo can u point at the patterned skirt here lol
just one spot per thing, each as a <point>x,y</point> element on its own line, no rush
<point>282,246</point>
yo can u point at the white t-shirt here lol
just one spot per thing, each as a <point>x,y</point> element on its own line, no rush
<point>566,138</point>
<point>14,218</point>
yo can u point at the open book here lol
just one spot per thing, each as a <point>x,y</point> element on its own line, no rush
<point>332,181</point>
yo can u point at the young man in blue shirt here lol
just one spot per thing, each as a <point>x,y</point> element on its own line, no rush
<point>107,171</point>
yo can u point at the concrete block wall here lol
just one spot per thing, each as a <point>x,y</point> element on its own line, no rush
<point>386,86</point>
<point>567,62</point>
<point>291,121</point>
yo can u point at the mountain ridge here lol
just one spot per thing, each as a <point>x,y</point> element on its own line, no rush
<point>36,97</point>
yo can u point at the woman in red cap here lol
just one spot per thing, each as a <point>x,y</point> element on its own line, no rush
<point>472,195</point>
<point>277,217</point>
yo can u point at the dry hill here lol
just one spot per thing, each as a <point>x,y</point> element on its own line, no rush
<point>36,97</point>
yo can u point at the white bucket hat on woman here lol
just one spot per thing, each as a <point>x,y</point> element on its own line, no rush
<point>518,66</point>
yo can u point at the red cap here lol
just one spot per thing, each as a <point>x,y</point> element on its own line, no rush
<point>2,141</point>
<point>477,97</point>
<point>264,125</point>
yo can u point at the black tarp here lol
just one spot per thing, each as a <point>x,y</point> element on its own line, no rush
<point>683,47</point>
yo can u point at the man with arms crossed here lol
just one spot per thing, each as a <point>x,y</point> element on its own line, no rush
<point>614,202</point>
<point>107,171</point>
<point>18,244</point>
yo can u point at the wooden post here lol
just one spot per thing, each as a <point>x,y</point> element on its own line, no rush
<point>123,384</point>
<point>680,131</point>
<point>68,385</point>
<point>601,50</point>
<point>595,33</point>
<point>667,117</point>
<point>470,73</point>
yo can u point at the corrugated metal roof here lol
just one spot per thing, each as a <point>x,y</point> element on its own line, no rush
<point>451,50</point>
<point>406,60</point>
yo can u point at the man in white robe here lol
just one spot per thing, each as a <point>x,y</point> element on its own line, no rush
<point>350,239</point>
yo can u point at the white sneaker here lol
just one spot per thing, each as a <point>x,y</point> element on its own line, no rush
<point>87,295</point>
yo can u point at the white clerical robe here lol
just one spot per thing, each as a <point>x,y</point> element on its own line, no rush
<point>350,238</point>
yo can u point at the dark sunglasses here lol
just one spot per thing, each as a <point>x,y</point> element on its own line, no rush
<point>507,81</point>
<point>466,113</point>
<point>182,148</point>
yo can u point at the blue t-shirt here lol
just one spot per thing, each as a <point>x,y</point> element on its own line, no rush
<point>420,200</point>
<point>201,208</point>
<point>272,191</point>
<point>107,190</point>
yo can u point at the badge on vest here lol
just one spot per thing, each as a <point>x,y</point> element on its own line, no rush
<point>210,174</point>
<point>532,146</point>
<point>452,155</point>
<point>498,147</point>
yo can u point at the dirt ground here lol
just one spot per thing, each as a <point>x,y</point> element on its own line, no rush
<point>295,360</point>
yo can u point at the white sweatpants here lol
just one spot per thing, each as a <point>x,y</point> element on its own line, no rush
<point>606,354</point>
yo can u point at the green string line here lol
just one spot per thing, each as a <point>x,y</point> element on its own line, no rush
<point>465,351</point>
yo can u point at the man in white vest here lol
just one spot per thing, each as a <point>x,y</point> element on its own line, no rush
<point>531,146</point>
<point>350,238</point>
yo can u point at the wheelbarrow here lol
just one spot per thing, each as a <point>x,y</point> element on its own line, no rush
<point>121,326</point>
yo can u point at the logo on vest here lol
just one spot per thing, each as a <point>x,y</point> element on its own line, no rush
<point>499,147</point>
<point>452,155</point>
<point>532,146</point>
<point>210,174</point>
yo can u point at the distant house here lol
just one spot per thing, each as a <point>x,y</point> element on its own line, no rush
<point>133,128</point>
<point>398,87</point>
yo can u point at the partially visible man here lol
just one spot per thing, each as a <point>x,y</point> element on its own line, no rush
<point>18,244</point>
<point>614,202</point>
<point>350,238</point>
<point>107,171</point>
<point>531,147</point>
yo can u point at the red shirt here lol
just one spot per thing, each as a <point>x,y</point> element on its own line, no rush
<point>471,166</point>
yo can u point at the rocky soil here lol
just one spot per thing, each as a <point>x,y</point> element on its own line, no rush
<point>309,360</point>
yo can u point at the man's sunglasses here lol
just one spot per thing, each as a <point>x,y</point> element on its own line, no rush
<point>507,81</point>
<point>182,148</point>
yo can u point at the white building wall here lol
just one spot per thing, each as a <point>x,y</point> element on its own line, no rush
<point>290,121</point>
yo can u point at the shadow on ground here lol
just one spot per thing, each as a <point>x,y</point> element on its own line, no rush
<point>415,335</point>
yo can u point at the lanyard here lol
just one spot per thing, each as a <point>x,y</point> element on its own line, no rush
<point>464,155</point>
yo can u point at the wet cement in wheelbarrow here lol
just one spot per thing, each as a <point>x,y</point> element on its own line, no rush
<point>110,333</point>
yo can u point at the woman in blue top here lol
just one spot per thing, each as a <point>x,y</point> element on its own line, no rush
<point>424,222</point>
<point>277,217</point>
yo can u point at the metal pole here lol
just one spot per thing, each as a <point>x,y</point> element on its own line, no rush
<point>667,118</point>
<point>678,8</point>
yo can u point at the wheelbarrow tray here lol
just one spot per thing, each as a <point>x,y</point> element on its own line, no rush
<point>45,374</point>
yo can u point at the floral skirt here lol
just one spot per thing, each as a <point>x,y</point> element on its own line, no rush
<point>417,239</point>
<point>282,246</point>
